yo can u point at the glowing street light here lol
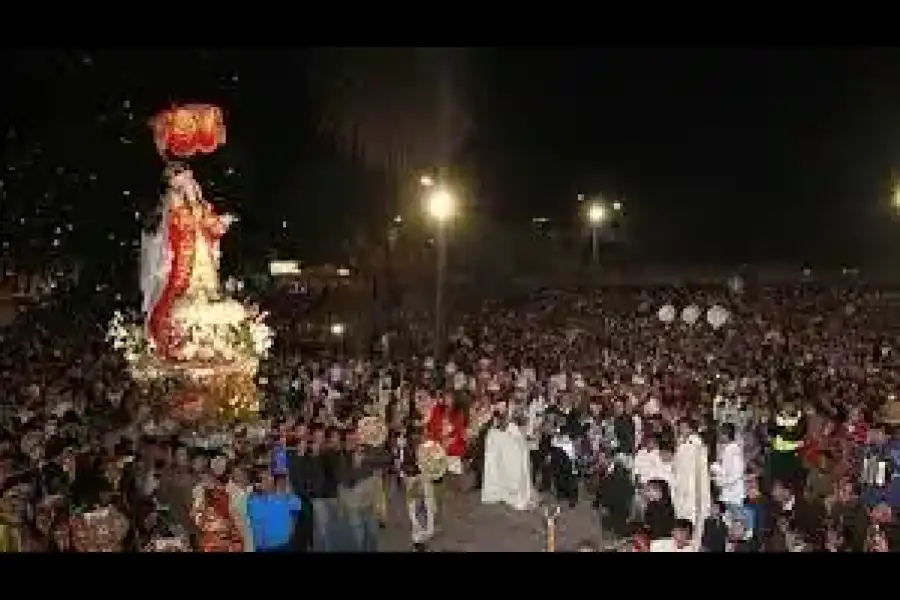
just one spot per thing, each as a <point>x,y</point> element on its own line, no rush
<point>426,181</point>
<point>440,204</point>
<point>596,213</point>
<point>617,206</point>
<point>338,329</point>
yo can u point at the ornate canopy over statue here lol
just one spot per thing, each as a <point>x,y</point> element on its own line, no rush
<point>190,331</point>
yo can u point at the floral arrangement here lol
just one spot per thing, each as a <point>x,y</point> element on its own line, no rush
<point>204,313</point>
<point>128,338</point>
<point>217,331</point>
<point>480,416</point>
<point>372,431</point>
<point>432,460</point>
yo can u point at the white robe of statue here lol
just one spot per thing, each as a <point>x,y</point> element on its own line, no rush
<point>691,493</point>
<point>507,469</point>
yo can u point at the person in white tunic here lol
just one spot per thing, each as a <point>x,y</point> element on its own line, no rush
<point>691,492</point>
<point>507,467</point>
<point>729,471</point>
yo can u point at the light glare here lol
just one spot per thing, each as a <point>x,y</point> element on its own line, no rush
<point>441,205</point>
<point>596,213</point>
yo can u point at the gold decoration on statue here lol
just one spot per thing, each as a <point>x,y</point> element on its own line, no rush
<point>236,397</point>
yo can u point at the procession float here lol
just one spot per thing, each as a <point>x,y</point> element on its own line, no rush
<point>200,346</point>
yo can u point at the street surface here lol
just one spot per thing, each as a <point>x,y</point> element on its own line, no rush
<point>466,525</point>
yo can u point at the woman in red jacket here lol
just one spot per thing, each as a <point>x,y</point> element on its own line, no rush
<point>446,425</point>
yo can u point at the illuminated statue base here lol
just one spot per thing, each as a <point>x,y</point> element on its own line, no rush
<point>201,392</point>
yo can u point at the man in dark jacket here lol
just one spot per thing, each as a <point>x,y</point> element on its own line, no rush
<point>322,487</point>
<point>715,532</point>
<point>623,424</point>
<point>615,492</point>
<point>299,468</point>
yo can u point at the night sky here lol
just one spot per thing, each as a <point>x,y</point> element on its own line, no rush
<point>721,155</point>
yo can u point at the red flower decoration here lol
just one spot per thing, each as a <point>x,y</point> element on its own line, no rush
<point>183,131</point>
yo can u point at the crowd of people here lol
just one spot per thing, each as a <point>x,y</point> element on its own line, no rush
<point>773,432</point>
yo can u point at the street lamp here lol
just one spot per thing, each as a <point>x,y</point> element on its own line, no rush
<point>596,215</point>
<point>426,181</point>
<point>440,205</point>
<point>338,330</point>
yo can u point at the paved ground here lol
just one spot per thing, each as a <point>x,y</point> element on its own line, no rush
<point>466,525</point>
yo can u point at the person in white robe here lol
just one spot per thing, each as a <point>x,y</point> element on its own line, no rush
<point>507,468</point>
<point>729,470</point>
<point>534,418</point>
<point>648,466</point>
<point>691,492</point>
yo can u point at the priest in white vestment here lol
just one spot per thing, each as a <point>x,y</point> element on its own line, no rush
<point>691,493</point>
<point>729,471</point>
<point>649,464</point>
<point>507,468</point>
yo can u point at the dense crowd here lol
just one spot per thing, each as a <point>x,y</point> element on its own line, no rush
<point>790,402</point>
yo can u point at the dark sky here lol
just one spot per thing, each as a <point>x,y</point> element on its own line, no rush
<point>721,154</point>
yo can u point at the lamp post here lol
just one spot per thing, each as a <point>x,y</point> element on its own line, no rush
<point>596,215</point>
<point>440,205</point>
<point>338,330</point>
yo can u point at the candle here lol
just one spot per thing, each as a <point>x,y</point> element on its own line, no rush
<point>550,515</point>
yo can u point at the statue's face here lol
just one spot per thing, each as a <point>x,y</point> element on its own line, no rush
<point>180,177</point>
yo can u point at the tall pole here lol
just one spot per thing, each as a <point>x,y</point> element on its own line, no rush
<point>439,289</point>
<point>388,324</point>
<point>595,246</point>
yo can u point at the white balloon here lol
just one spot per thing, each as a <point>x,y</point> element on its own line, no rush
<point>690,314</point>
<point>717,316</point>
<point>667,313</point>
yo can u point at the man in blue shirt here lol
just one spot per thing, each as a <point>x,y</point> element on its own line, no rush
<point>272,511</point>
